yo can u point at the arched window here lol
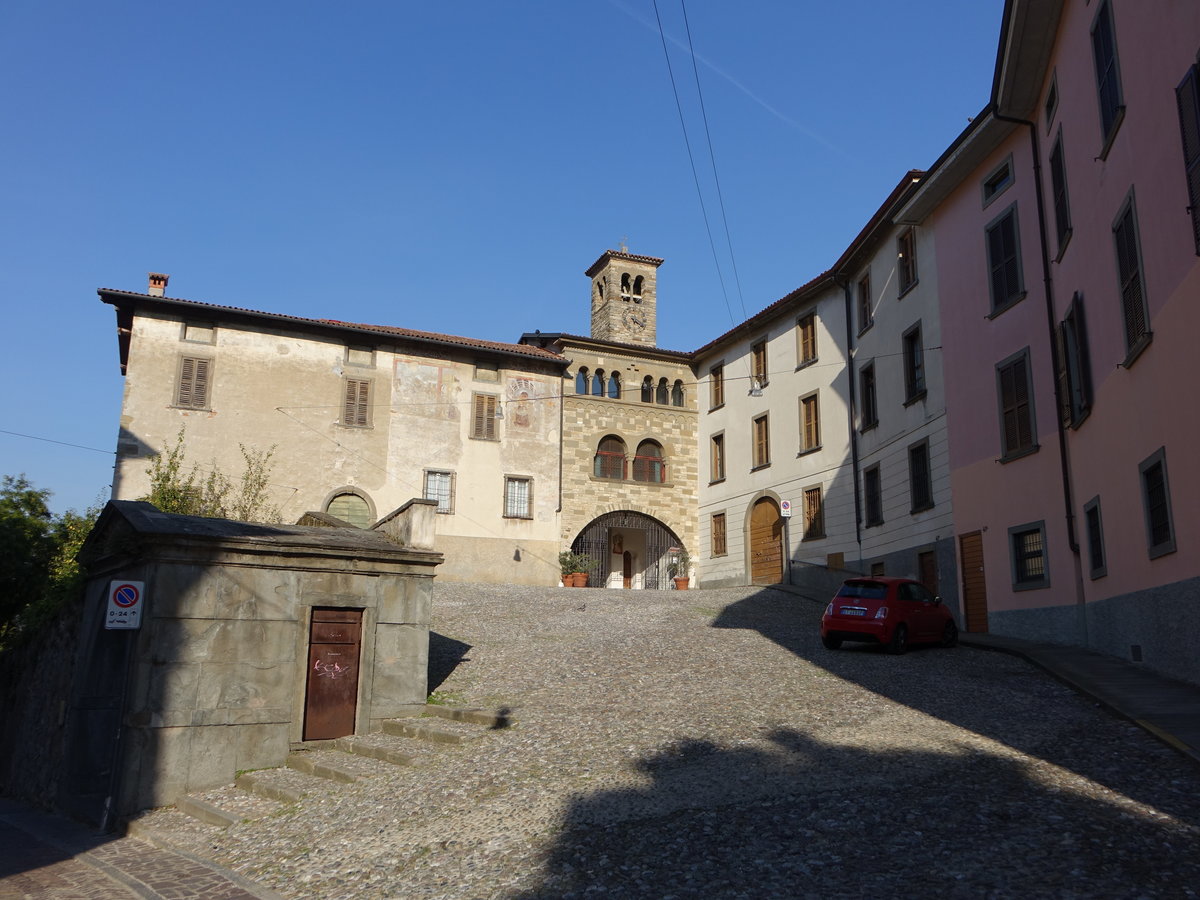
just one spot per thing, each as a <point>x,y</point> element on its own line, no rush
<point>677,394</point>
<point>350,508</point>
<point>663,391</point>
<point>614,385</point>
<point>625,285</point>
<point>610,458</point>
<point>647,389</point>
<point>648,464</point>
<point>598,383</point>
<point>581,381</point>
<point>637,287</point>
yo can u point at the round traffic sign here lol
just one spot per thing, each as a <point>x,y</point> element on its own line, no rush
<point>126,596</point>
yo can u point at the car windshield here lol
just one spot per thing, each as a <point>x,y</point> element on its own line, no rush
<point>863,590</point>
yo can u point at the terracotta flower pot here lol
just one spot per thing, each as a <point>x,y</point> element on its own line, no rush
<point>681,584</point>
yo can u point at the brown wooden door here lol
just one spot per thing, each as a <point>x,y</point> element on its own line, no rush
<point>973,582</point>
<point>766,543</point>
<point>334,642</point>
<point>927,567</point>
<point>627,570</point>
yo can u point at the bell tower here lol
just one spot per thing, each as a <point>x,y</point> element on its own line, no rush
<point>624,298</point>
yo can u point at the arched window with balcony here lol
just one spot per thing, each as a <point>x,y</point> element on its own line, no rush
<point>647,389</point>
<point>663,394</point>
<point>614,386</point>
<point>610,458</point>
<point>677,394</point>
<point>598,383</point>
<point>648,463</point>
<point>581,381</point>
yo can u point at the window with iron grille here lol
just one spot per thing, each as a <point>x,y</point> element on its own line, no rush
<point>762,442</point>
<point>1017,434</point>
<point>920,479</point>
<point>1074,366</point>
<point>648,463</point>
<point>1187,98</point>
<point>716,387</point>
<point>717,458</point>
<point>518,497</point>
<point>758,363</point>
<point>814,514</point>
<point>192,387</point>
<point>906,259</point>
<point>609,461</point>
<point>914,365</point>
<point>356,403</point>
<point>806,339</point>
<point>1108,74</point>
<point>483,420</point>
<point>866,389</point>
<point>810,423</point>
<point>1097,564</point>
<point>1156,499</point>
<point>866,313</point>
<point>439,486</point>
<point>873,496</point>
<point>1058,187</point>
<point>1029,566</point>
<point>1004,261</point>
<point>1133,287</point>
<point>718,535</point>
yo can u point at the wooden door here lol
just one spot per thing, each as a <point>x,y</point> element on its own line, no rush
<point>334,642</point>
<point>766,543</point>
<point>927,567</point>
<point>627,570</point>
<point>973,582</point>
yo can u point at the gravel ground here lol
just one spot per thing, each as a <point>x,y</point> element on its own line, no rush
<point>704,744</point>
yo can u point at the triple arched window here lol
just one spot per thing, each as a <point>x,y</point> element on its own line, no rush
<point>598,384</point>
<point>663,392</point>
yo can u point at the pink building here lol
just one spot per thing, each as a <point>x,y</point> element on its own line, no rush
<point>1067,225</point>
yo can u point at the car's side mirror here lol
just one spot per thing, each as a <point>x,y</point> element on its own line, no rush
<point>937,601</point>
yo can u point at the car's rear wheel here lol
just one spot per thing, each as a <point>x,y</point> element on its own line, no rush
<point>950,635</point>
<point>830,642</point>
<point>899,642</point>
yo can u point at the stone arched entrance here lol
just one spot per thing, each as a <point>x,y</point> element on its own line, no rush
<point>630,549</point>
<point>766,542</point>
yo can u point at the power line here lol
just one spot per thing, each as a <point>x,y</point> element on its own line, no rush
<point>34,437</point>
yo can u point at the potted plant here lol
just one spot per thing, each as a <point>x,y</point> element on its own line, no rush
<point>679,567</point>
<point>566,567</point>
<point>583,565</point>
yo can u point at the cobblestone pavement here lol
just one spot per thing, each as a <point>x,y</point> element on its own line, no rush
<point>704,744</point>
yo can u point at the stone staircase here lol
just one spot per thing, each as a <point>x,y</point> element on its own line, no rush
<point>402,742</point>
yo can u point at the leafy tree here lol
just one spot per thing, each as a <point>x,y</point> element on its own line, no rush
<point>176,489</point>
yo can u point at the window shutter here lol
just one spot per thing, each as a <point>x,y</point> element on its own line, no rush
<point>1062,373</point>
<point>1131,279</point>
<point>1083,390</point>
<point>484,425</point>
<point>1014,387</point>
<point>1187,96</point>
<point>356,406</point>
<point>187,373</point>
<point>193,383</point>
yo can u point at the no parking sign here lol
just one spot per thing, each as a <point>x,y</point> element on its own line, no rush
<point>125,600</point>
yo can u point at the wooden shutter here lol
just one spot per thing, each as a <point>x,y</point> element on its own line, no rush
<point>1014,393</point>
<point>484,425</point>
<point>1129,267</point>
<point>193,383</point>
<point>814,521</point>
<point>1187,96</point>
<point>356,403</point>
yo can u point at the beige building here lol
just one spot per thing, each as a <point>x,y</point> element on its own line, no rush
<point>362,419</point>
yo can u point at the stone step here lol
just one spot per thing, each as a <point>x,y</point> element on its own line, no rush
<point>444,731</point>
<point>206,812</point>
<point>266,784</point>
<point>399,751</point>
<point>488,718</point>
<point>226,806</point>
<point>312,764</point>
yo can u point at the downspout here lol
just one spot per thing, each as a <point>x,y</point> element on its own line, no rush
<point>853,405</point>
<point>1055,362</point>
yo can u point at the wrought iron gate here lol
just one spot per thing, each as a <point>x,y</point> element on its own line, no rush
<point>593,540</point>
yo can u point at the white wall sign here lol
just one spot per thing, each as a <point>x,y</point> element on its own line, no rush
<point>785,508</point>
<point>125,601</point>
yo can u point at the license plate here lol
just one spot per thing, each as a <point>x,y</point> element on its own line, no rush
<point>852,611</point>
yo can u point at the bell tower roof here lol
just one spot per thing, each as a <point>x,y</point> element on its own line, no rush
<point>609,256</point>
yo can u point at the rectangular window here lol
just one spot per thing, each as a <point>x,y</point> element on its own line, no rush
<point>906,253</point>
<point>998,182</point>
<point>200,332</point>
<point>483,423</point>
<point>1029,569</point>
<point>718,535</point>
<point>195,376</point>
<point>866,305</point>
<point>1133,288</point>
<point>810,424</point>
<point>1156,498</point>
<point>762,442</point>
<point>487,371</point>
<point>920,479</point>
<point>1017,435</point>
<point>356,403</point>
<point>1108,75</point>
<point>873,496</point>
<point>1074,366</point>
<point>1187,98</point>
<point>867,395</point>
<point>439,486</point>
<point>360,356</point>
<point>914,365</point>
<point>758,363</point>
<point>806,340</point>
<point>1051,101</point>
<point>1004,261</point>
<point>716,387</point>
<point>1058,186</point>
<point>717,458</point>
<point>1097,565</point>
<point>518,498</point>
<point>814,514</point>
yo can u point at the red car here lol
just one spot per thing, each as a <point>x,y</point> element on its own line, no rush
<point>894,612</point>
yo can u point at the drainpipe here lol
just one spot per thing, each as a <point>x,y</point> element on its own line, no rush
<point>853,405</point>
<point>1055,362</point>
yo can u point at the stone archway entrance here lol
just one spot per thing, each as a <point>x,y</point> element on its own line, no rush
<point>766,542</point>
<point>630,549</point>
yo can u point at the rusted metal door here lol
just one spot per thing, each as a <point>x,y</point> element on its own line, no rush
<point>334,641</point>
<point>766,543</point>
<point>974,584</point>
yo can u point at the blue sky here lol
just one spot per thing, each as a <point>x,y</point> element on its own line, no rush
<point>450,167</point>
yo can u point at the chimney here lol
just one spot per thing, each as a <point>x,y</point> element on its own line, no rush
<point>158,284</point>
